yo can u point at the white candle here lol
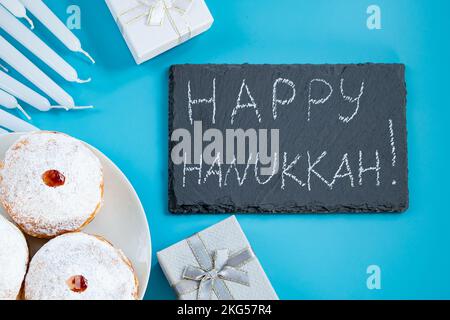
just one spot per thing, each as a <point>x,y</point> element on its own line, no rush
<point>22,92</point>
<point>13,123</point>
<point>9,102</point>
<point>23,65</point>
<point>30,41</point>
<point>17,9</point>
<point>56,26</point>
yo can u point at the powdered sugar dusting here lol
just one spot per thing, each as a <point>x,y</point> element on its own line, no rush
<point>47,211</point>
<point>106,270</point>
<point>13,259</point>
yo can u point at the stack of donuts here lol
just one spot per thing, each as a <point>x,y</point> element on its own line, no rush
<point>51,186</point>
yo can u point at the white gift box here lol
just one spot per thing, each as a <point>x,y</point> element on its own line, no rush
<point>151,27</point>
<point>225,278</point>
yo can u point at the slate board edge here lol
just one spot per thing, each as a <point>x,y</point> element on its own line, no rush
<point>171,194</point>
<point>217,209</point>
<point>405,113</point>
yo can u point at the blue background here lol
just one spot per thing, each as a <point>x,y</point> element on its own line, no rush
<point>305,256</point>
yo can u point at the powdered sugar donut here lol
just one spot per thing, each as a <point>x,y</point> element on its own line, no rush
<point>51,184</point>
<point>13,260</point>
<point>78,266</point>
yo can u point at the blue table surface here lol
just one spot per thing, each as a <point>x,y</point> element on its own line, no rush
<point>305,256</point>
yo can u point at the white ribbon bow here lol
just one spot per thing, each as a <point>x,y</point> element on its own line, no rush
<point>156,11</point>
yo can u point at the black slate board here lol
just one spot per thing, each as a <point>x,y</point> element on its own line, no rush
<point>336,121</point>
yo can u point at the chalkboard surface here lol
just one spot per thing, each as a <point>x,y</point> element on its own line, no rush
<point>287,138</point>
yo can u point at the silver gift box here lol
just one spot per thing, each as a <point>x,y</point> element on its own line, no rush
<point>151,27</point>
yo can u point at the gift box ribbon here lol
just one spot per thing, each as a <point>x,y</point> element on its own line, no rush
<point>214,271</point>
<point>157,10</point>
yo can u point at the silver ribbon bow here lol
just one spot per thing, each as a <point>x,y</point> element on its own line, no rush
<point>213,272</point>
<point>156,10</point>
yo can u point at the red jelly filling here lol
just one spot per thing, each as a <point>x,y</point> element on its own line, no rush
<point>53,178</point>
<point>77,284</point>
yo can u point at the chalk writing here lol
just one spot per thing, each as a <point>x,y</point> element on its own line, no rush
<point>211,101</point>
<point>312,101</point>
<point>276,101</point>
<point>310,168</point>
<point>351,100</point>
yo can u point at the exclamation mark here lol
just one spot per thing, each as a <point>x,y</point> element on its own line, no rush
<point>392,141</point>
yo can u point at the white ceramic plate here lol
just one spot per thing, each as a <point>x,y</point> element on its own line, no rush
<point>121,220</point>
